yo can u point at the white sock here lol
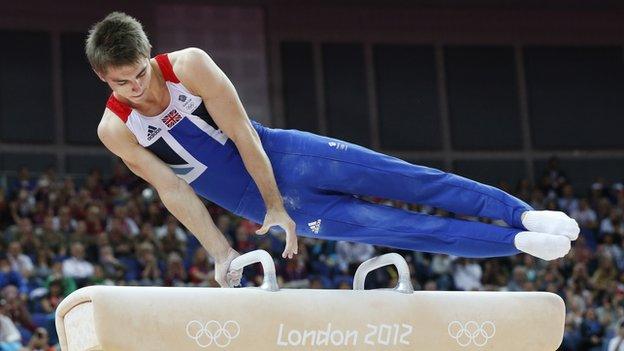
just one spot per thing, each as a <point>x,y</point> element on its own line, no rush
<point>551,222</point>
<point>542,245</point>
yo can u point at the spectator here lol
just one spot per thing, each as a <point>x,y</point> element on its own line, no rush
<point>76,266</point>
<point>590,278</point>
<point>99,277</point>
<point>19,262</point>
<point>295,269</point>
<point>224,224</point>
<point>584,215</point>
<point>494,275</point>
<point>175,274</point>
<point>467,274</point>
<point>24,180</point>
<point>243,241</point>
<point>171,228</point>
<point>10,338</point>
<point>8,276</point>
<point>154,214</point>
<point>591,331</point>
<point>26,236</point>
<point>147,235</point>
<point>613,224</point>
<point>201,272</point>
<point>617,342</point>
<point>553,179</point>
<point>50,236</point>
<point>54,296</point>
<point>431,285</point>
<point>40,341</point>
<point>605,273</point>
<point>571,336</point>
<point>537,199</point>
<point>17,309</point>
<point>150,272</point>
<point>94,185</point>
<point>350,255</point>
<point>121,177</point>
<point>63,222</point>
<point>57,273</point>
<point>607,314</point>
<point>567,202</point>
<point>43,266</point>
<point>23,206</point>
<point>120,238</point>
<point>129,226</point>
<point>609,247</point>
<point>95,215</point>
<point>519,278</point>
<point>442,269</point>
<point>112,268</point>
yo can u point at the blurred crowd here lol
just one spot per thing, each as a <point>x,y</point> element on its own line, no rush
<point>60,234</point>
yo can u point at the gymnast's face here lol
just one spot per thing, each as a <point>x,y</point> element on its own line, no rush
<point>131,81</point>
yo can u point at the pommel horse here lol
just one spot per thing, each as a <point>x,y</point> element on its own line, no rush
<point>269,318</point>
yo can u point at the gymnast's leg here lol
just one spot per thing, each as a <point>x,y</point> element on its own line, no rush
<point>330,164</point>
<point>336,216</point>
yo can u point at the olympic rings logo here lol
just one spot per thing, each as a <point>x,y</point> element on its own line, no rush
<point>471,332</point>
<point>212,332</point>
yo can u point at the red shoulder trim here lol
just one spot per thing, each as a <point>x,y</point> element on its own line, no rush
<point>120,109</point>
<point>166,68</point>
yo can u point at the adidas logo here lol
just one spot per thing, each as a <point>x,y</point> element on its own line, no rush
<point>338,146</point>
<point>315,226</point>
<point>152,132</point>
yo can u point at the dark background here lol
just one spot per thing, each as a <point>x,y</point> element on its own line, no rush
<point>486,89</point>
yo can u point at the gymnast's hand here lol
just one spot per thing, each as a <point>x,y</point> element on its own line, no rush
<point>280,217</point>
<point>226,277</point>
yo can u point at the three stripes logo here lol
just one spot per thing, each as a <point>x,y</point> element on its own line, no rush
<point>315,226</point>
<point>152,132</point>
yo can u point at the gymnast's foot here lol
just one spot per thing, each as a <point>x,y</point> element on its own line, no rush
<point>551,222</point>
<point>542,245</point>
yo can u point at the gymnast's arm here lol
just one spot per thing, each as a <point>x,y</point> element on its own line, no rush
<point>201,75</point>
<point>175,193</point>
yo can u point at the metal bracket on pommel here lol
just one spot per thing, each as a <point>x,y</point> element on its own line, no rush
<point>404,284</point>
<point>269,282</point>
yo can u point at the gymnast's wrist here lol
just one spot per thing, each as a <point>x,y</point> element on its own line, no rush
<point>221,254</point>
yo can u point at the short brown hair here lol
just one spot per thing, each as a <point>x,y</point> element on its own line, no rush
<point>116,41</point>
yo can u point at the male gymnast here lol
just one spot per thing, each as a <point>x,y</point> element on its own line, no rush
<point>177,122</point>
